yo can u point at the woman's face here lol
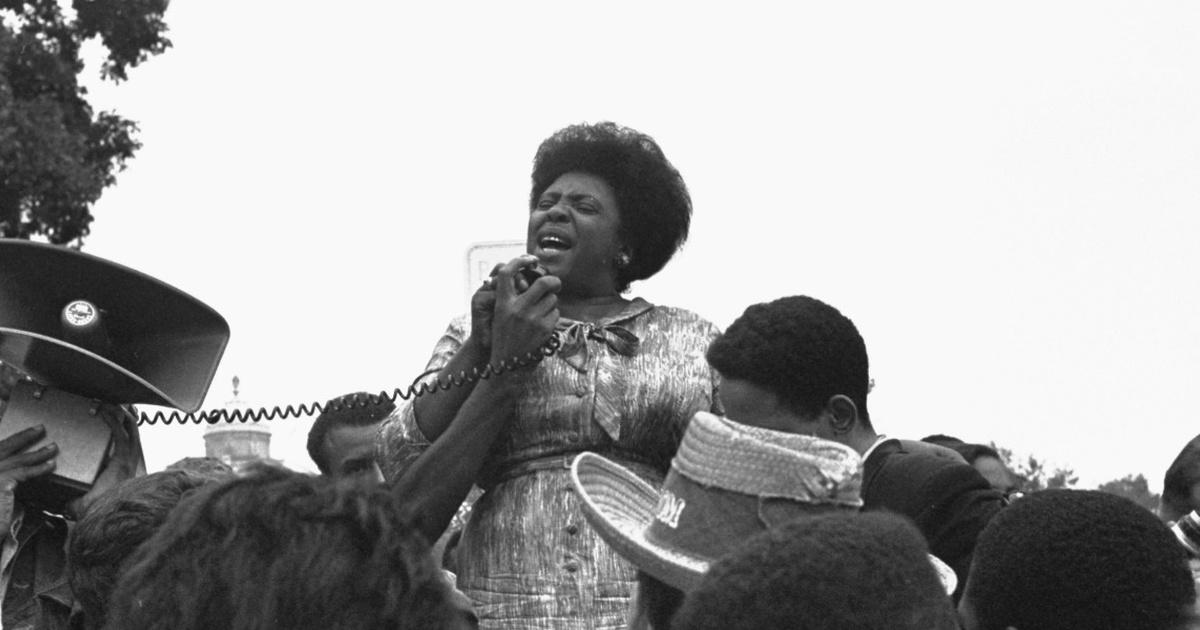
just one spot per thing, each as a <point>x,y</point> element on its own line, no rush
<point>573,232</point>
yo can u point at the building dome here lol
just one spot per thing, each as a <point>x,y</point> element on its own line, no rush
<point>238,443</point>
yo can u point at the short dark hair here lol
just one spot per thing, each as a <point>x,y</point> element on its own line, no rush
<point>279,549</point>
<point>834,571</point>
<point>203,466</point>
<point>354,410</point>
<point>113,526</point>
<point>1078,559</point>
<point>654,204</point>
<point>799,348</point>
<point>972,452</point>
<point>1182,475</point>
<point>941,439</point>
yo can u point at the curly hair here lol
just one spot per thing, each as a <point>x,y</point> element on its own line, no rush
<point>279,549</point>
<point>115,524</point>
<point>1078,559</point>
<point>1182,475</point>
<point>867,571</point>
<point>653,201</point>
<point>799,348</point>
<point>353,410</point>
<point>203,466</point>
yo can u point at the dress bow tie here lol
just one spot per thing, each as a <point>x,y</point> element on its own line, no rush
<point>574,336</point>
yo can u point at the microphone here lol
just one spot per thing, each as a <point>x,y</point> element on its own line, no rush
<point>1187,530</point>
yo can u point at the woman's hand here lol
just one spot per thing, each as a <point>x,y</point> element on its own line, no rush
<point>523,315</point>
<point>508,317</point>
<point>483,302</point>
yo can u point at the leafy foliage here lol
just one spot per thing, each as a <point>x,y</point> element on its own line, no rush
<point>1135,488</point>
<point>1034,474</point>
<point>56,154</point>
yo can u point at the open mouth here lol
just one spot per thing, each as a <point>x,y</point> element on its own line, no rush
<point>553,242</point>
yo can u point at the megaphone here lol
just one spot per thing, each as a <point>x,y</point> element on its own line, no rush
<point>87,330</point>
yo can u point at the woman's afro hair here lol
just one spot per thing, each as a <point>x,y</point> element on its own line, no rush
<point>653,201</point>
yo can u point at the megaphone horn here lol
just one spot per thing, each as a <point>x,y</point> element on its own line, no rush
<point>95,328</point>
<point>86,329</point>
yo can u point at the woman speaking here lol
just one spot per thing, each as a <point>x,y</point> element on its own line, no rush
<point>606,209</point>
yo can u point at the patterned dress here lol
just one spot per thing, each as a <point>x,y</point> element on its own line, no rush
<point>624,387</point>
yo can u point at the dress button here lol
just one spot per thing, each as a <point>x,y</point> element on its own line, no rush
<point>572,529</point>
<point>581,391</point>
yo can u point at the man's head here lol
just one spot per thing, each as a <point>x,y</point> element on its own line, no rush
<point>203,466</point>
<point>983,458</point>
<point>795,364</point>
<point>1181,484</point>
<point>856,571</point>
<point>278,549</point>
<point>115,524</point>
<point>1077,559</point>
<point>342,439</point>
<point>988,462</point>
<point>942,439</point>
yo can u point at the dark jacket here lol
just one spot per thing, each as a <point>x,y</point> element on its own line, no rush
<point>38,596</point>
<point>948,500</point>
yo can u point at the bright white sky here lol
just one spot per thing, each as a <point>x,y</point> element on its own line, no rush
<point>1003,197</point>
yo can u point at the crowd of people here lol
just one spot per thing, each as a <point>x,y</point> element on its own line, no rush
<point>625,465</point>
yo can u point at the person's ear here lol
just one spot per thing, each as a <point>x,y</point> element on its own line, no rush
<point>843,414</point>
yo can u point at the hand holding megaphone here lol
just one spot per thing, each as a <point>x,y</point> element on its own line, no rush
<point>17,466</point>
<point>125,459</point>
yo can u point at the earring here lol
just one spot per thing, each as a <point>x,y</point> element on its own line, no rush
<point>622,260</point>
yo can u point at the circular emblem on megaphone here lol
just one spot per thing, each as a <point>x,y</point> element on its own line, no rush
<point>79,313</point>
<point>122,336</point>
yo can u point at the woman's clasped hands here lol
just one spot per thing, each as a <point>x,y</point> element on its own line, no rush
<point>510,316</point>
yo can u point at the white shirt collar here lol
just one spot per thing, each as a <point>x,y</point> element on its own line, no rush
<point>878,440</point>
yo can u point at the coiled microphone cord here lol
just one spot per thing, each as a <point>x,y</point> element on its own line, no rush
<point>441,383</point>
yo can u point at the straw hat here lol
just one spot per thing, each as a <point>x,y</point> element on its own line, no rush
<point>727,482</point>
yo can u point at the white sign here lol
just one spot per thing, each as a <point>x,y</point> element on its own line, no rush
<point>483,257</point>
